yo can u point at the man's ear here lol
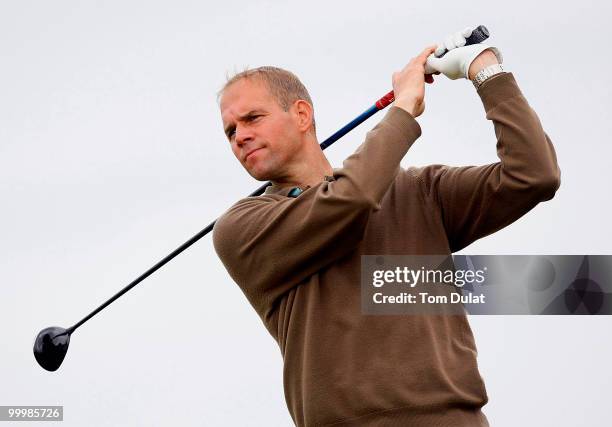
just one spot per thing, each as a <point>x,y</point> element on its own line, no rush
<point>303,114</point>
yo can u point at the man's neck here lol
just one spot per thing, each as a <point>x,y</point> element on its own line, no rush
<point>311,170</point>
<point>311,178</point>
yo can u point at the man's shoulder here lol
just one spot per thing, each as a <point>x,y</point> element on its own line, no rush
<point>235,219</point>
<point>246,209</point>
<point>253,202</point>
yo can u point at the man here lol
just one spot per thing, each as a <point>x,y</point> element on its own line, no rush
<point>296,250</point>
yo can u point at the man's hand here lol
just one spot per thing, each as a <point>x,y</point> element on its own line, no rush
<point>457,62</point>
<point>457,39</point>
<point>409,84</point>
<point>461,61</point>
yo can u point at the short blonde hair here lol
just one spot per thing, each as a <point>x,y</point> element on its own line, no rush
<point>284,86</point>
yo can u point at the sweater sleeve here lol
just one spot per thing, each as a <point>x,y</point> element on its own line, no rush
<point>271,243</point>
<point>476,201</point>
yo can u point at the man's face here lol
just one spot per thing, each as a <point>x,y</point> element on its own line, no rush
<point>264,138</point>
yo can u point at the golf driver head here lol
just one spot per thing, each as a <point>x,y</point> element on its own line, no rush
<point>51,346</point>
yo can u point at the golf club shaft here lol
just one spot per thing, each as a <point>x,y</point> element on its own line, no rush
<point>478,35</point>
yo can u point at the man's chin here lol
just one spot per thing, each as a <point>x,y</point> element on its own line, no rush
<point>260,175</point>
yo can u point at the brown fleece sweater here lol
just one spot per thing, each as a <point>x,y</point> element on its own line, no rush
<point>298,262</point>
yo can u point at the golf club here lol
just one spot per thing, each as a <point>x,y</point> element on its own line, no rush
<point>51,343</point>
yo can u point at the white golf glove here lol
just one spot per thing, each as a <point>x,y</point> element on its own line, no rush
<point>456,62</point>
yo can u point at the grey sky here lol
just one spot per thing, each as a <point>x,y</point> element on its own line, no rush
<point>112,154</point>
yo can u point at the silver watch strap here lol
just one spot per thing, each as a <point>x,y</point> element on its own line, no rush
<point>486,73</point>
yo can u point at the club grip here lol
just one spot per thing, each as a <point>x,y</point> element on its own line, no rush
<point>479,34</point>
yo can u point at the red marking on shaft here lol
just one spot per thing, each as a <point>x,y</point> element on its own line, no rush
<point>385,100</point>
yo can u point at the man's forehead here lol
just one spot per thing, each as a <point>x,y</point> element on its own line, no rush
<point>244,94</point>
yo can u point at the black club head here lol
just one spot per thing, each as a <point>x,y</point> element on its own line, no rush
<point>51,346</point>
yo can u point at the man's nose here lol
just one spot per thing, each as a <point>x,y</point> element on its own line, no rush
<point>243,135</point>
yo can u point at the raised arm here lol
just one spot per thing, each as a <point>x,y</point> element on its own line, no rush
<point>476,201</point>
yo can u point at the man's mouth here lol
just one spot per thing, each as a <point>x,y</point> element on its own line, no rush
<point>251,152</point>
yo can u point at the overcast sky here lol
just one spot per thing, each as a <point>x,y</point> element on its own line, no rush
<point>112,154</point>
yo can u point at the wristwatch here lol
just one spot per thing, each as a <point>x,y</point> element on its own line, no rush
<point>486,73</point>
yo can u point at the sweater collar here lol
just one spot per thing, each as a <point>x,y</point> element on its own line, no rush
<point>284,190</point>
